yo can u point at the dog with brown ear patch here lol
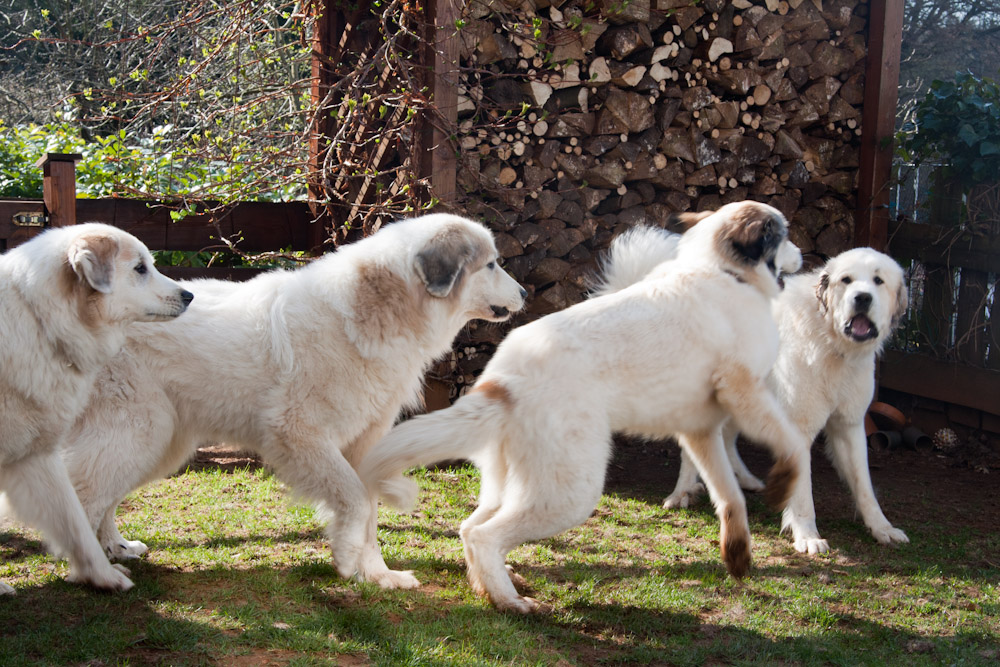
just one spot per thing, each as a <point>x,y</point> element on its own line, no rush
<point>833,322</point>
<point>66,300</point>
<point>677,353</point>
<point>307,368</point>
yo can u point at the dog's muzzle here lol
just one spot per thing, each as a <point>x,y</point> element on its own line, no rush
<point>500,311</point>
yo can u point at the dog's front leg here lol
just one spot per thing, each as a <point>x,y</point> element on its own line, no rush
<point>848,449</point>
<point>39,491</point>
<point>370,565</point>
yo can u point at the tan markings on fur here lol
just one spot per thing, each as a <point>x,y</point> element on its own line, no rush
<point>77,291</point>
<point>745,227</point>
<point>104,247</point>
<point>737,380</point>
<point>384,305</point>
<point>734,546</point>
<point>494,391</point>
<point>779,485</point>
<point>902,302</point>
<point>687,220</point>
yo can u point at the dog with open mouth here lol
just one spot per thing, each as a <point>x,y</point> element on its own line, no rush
<point>833,323</point>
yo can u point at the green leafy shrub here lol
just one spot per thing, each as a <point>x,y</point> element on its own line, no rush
<point>958,124</point>
<point>120,165</point>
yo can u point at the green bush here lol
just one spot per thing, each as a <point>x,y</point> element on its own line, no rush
<point>957,124</point>
<point>120,165</point>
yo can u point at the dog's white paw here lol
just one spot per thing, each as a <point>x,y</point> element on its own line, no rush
<point>114,578</point>
<point>5,589</point>
<point>392,579</point>
<point>811,545</point>
<point>682,498</point>
<point>888,534</point>
<point>125,550</point>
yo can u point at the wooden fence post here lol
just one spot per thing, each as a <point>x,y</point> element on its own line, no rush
<point>878,122</point>
<point>59,187</point>
<point>446,48</point>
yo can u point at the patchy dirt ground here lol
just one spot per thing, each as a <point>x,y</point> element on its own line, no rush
<point>933,485</point>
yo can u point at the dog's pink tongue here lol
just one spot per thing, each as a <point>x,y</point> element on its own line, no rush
<point>860,326</point>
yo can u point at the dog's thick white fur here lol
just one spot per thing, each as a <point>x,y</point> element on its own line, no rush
<point>66,300</point>
<point>674,354</point>
<point>833,323</point>
<point>307,368</point>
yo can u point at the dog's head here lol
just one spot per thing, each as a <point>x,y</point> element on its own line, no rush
<point>747,239</point>
<point>457,260</point>
<point>430,274</point>
<point>110,275</point>
<point>863,295</point>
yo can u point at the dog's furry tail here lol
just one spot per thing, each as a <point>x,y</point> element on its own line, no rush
<point>632,256</point>
<point>457,432</point>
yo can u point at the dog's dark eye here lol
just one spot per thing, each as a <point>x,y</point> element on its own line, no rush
<point>846,280</point>
<point>141,269</point>
<point>491,266</point>
<point>878,281</point>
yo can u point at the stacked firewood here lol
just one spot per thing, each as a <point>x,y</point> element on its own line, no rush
<point>580,118</point>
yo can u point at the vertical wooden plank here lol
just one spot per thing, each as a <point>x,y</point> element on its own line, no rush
<point>970,317</point>
<point>993,329</point>
<point>885,34</point>
<point>445,88</point>
<point>326,30</point>
<point>59,187</point>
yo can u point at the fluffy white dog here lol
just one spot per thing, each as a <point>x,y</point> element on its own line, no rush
<point>833,322</point>
<point>66,300</point>
<point>307,368</point>
<point>676,353</point>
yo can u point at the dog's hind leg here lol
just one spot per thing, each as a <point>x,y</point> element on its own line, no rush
<point>40,493</point>
<point>708,452</point>
<point>493,475</point>
<point>848,450</point>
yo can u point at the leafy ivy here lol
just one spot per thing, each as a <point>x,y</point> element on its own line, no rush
<point>958,124</point>
<point>121,165</point>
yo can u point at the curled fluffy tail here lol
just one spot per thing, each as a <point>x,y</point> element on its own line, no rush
<point>632,256</point>
<point>454,433</point>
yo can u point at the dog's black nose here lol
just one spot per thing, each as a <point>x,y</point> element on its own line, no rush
<point>524,293</point>
<point>863,300</point>
<point>186,297</point>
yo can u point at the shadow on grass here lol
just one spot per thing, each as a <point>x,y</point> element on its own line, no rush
<point>181,617</point>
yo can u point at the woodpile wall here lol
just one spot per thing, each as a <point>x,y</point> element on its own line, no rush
<point>580,118</point>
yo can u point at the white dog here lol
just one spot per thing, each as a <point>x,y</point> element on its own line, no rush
<point>674,354</point>
<point>66,298</point>
<point>833,322</point>
<point>307,368</point>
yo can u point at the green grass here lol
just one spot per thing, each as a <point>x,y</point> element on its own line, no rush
<point>238,575</point>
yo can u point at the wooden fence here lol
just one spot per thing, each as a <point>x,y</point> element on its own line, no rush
<point>949,349</point>
<point>261,226</point>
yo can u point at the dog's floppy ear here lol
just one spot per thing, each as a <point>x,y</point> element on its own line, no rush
<point>902,303</point>
<point>755,234</point>
<point>822,287</point>
<point>92,258</point>
<point>440,263</point>
<point>685,221</point>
